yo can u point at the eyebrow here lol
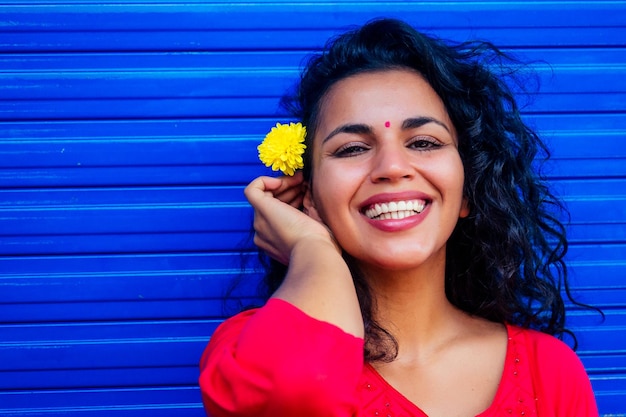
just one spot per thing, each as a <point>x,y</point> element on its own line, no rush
<point>363,129</point>
<point>415,122</point>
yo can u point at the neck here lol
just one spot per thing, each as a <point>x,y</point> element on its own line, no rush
<point>413,306</point>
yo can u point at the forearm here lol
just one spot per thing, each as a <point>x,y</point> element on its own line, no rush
<point>319,283</point>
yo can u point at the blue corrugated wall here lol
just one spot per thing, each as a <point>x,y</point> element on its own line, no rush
<point>128,130</point>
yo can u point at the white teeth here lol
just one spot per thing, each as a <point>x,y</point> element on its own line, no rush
<point>395,209</point>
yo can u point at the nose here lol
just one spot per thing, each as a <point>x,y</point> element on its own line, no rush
<point>391,163</point>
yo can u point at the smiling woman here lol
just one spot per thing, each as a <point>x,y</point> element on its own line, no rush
<point>416,255</point>
<point>129,129</point>
<point>361,164</point>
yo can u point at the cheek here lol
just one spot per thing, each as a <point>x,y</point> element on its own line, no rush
<point>334,190</point>
<point>449,167</point>
<point>455,180</point>
<point>325,197</point>
<point>459,173</point>
<point>457,176</point>
<point>447,176</point>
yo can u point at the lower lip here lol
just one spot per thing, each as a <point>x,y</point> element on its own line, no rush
<point>398,225</point>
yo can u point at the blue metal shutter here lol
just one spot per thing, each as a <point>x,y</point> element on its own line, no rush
<point>128,130</point>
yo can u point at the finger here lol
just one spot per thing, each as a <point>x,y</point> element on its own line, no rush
<point>292,190</point>
<point>289,183</point>
<point>276,185</point>
<point>291,195</point>
<point>286,189</point>
<point>260,187</point>
<point>297,201</point>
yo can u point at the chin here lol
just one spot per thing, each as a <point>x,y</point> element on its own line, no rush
<point>393,265</point>
<point>405,262</point>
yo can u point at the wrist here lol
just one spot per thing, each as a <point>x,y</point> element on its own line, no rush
<point>316,246</point>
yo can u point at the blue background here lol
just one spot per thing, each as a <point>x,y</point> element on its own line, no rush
<point>128,130</point>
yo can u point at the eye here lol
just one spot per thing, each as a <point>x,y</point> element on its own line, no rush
<point>424,143</point>
<point>350,149</point>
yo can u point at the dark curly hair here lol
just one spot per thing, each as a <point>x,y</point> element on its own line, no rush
<point>505,260</point>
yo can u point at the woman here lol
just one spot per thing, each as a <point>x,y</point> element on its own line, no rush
<point>422,257</point>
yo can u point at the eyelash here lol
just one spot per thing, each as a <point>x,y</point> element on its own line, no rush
<point>354,149</point>
<point>425,144</point>
<point>350,149</point>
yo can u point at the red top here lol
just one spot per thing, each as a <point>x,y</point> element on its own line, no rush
<point>278,361</point>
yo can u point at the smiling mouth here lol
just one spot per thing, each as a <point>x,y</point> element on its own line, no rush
<point>394,209</point>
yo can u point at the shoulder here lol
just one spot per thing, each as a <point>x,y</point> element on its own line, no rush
<point>559,378</point>
<point>550,355</point>
<point>261,321</point>
<point>275,360</point>
<point>281,331</point>
<point>233,325</point>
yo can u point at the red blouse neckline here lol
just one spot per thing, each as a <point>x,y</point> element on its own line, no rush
<point>394,398</point>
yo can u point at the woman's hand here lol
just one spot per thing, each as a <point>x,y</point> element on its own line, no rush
<point>318,280</point>
<point>278,222</point>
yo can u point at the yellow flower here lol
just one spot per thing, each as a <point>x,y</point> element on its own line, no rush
<point>283,147</point>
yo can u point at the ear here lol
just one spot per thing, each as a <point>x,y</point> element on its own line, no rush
<point>309,204</point>
<point>465,209</point>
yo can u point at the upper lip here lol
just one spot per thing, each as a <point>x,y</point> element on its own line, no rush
<point>389,197</point>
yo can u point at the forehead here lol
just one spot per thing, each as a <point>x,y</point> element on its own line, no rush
<point>384,79</point>
<point>376,97</point>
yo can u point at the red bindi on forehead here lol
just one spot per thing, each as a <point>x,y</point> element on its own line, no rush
<point>387,123</point>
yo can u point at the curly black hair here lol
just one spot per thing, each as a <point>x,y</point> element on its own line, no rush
<point>505,261</point>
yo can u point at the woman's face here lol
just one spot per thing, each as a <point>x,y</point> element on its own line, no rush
<point>387,176</point>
